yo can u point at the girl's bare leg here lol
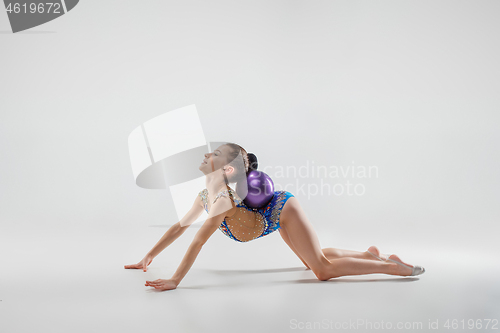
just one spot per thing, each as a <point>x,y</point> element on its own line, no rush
<point>305,243</point>
<point>332,253</point>
<point>284,235</point>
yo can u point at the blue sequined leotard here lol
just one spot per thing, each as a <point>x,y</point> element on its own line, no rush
<point>248,223</point>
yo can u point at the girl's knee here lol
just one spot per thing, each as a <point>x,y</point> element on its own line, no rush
<point>324,272</point>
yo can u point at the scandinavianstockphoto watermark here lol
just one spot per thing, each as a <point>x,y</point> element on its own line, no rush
<point>449,324</point>
<point>355,324</point>
<point>312,179</point>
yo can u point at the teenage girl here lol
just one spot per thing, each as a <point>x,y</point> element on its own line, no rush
<point>228,213</point>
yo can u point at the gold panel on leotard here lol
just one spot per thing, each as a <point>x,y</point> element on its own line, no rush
<point>245,224</point>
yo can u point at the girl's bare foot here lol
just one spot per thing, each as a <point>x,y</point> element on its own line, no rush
<point>404,271</point>
<point>375,251</point>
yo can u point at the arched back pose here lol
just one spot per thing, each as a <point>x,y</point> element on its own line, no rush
<point>228,213</point>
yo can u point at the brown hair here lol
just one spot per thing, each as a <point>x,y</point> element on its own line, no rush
<point>240,167</point>
<point>243,166</point>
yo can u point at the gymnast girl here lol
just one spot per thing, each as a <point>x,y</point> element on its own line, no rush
<point>230,163</point>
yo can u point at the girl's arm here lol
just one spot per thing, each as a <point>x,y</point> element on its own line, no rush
<point>170,236</point>
<point>177,229</point>
<point>217,214</point>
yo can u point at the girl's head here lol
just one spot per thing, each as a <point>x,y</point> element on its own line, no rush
<point>233,159</point>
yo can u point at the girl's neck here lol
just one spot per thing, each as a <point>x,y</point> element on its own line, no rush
<point>215,183</point>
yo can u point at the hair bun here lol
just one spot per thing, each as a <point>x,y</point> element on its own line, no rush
<point>252,162</point>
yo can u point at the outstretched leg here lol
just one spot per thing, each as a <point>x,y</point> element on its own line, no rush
<point>332,253</point>
<point>305,243</point>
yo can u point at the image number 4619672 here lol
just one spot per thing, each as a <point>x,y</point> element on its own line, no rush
<point>24,15</point>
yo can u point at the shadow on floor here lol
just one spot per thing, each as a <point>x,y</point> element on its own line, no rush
<point>253,271</point>
<point>347,280</point>
<point>303,269</point>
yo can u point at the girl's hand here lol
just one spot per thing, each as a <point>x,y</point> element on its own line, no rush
<point>162,284</point>
<point>143,264</point>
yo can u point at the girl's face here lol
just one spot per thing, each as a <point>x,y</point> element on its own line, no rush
<point>219,159</point>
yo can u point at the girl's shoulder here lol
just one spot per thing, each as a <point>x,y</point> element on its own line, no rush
<point>228,193</point>
<point>224,193</point>
<point>203,194</point>
<point>236,198</point>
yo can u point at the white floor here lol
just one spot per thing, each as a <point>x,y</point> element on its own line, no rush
<point>73,281</point>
